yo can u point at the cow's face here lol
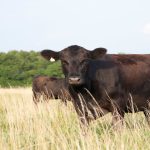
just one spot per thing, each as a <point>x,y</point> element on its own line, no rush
<point>75,61</point>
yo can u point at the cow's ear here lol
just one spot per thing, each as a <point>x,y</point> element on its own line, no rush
<point>50,55</point>
<point>98,53</point>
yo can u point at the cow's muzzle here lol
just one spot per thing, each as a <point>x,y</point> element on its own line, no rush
<point>74,80</point>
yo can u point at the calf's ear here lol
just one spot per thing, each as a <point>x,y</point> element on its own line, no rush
<point>49,54</point>
<point>98,53</point>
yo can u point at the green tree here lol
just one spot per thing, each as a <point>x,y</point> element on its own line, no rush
<point>17,68</point>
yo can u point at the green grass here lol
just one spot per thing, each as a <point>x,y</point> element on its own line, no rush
<point>55,126</point>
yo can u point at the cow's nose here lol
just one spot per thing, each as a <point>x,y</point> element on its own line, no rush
<point>74,80</point>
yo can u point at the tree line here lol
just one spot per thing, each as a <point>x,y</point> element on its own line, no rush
<point>17,68</point>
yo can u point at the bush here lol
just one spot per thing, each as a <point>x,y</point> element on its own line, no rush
<point>17,68</point>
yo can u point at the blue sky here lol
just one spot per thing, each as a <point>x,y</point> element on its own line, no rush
<point>119,26</point>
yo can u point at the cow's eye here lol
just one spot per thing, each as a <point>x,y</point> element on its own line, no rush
<point>84,62</point>
<point>65,62</point>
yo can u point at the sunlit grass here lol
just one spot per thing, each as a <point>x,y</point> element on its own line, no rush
<point>55,126</point>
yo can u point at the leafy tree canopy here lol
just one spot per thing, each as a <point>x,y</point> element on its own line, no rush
<point>17,68</point>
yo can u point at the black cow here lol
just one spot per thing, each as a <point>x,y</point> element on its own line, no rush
<point>116,83</point>
<point>49,88</point>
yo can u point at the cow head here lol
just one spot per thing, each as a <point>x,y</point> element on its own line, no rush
<point>75,61</point>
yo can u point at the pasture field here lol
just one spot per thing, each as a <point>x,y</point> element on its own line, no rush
<point>54,126</point>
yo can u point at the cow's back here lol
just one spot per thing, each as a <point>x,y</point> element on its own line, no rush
<point>135,77</point>
<point>39,83</point>
<point>135,70</point>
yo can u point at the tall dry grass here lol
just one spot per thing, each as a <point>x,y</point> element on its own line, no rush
<point>55,126</point>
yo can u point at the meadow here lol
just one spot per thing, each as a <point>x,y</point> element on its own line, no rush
<point>54,126</point>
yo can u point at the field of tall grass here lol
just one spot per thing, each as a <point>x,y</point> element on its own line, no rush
<point>54,126</point>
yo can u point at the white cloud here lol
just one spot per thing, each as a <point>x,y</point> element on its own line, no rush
<point>146,28</point>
